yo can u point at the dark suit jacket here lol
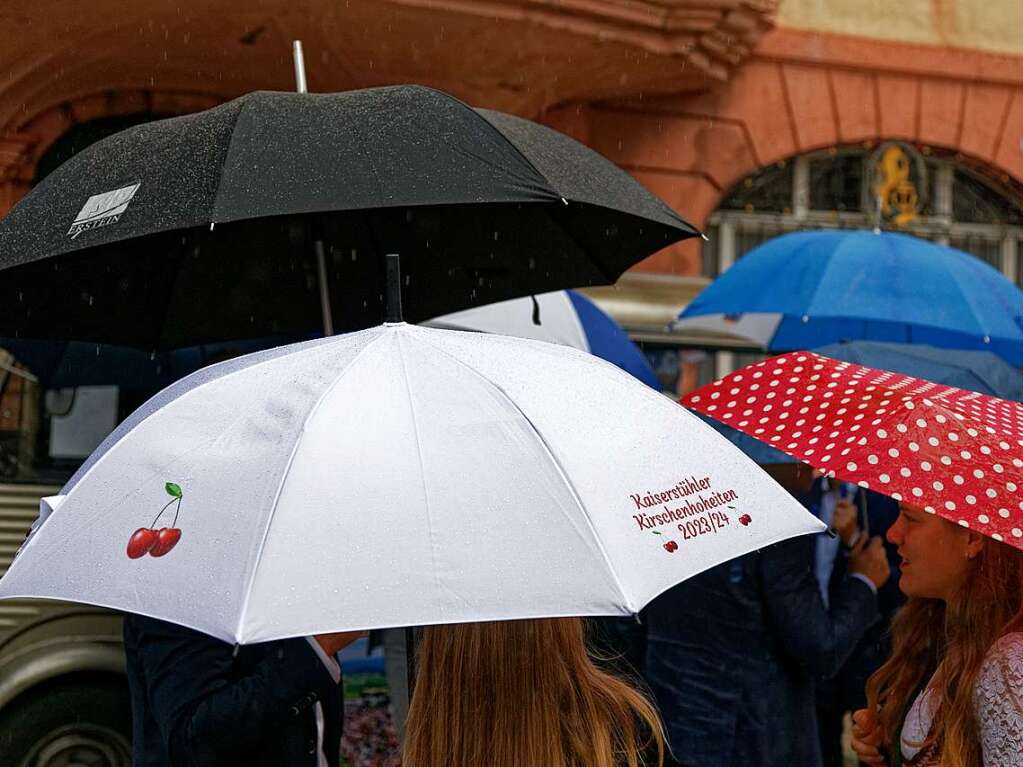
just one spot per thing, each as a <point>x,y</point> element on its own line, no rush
<point>198,703</point>
<point>847,690</point>
<point>733,653</point>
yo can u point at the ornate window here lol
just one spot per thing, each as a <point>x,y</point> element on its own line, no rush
<point>958,206</point>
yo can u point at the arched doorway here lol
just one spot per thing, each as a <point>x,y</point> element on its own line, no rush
<point>962,206</point>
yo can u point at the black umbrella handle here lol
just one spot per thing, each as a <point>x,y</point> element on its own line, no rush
<point>393,308</point>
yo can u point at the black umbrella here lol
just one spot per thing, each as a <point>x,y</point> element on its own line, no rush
<point>205,227</point>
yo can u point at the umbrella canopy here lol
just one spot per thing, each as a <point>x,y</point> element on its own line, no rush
<point>976,371</point>
<point>205,227</point>
<point>400,476</point>
<point>561,317</point>
<point>808,289</point>
<point>982,372</point>
<point>953,452</point>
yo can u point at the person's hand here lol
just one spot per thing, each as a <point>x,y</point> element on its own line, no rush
<point>845,521</point>
<point>868,558</point>
<point>332,644</point>
<point>867,738</point>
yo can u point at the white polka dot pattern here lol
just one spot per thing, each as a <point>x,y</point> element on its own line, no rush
<point>956,452</point>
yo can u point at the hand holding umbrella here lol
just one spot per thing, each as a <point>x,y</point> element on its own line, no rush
<point>845,521</point>
<point>868,558</point>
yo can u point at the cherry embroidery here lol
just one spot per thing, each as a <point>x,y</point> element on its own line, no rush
<point>157,543</point>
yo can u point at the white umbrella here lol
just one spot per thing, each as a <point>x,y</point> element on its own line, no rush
<point>401,476</point>
<point>561,317</point>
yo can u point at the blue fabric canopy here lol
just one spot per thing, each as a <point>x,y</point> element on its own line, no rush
<point>804,290</point>
<point>981,372</point>
<point>608,340</point>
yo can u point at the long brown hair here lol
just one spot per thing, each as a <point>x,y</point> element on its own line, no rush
<point>522,694</point>
<point>952,639</point>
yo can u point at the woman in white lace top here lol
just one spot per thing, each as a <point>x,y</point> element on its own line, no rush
<point>952,692</point>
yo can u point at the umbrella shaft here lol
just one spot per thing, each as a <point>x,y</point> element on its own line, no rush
<point>321,271</point>
<point>393,308</point>
<point>296,50</point>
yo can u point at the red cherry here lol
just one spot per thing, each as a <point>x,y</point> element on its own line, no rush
<point>745,519</point>
<point>166,540</point>
<point>141,541</point>
<point>670,546</point>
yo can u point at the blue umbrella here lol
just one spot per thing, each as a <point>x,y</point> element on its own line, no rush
<point>563,317</point>
<point>804,290</point>
<point>981,372</point>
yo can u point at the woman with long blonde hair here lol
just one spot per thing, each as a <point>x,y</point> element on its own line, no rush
<point>523,694</point>
<point>951,694</point>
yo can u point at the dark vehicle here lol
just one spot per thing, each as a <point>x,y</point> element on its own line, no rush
<point>63,691</point>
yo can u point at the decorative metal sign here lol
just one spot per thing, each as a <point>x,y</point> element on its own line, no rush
<point>898,181</point>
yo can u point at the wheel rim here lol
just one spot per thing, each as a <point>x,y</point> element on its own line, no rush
<point>81,745</point>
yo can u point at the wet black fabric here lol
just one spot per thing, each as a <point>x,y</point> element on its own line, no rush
<point>216,241</point>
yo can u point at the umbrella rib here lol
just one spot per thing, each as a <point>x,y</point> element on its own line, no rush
<point>422,473</point>
<point>284,478</point>
<point>555,462</point>
<point>223,165</point>
<point>494,129</point>
<point>558,196</point>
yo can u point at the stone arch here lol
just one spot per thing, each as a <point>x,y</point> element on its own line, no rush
<point>691,149</point>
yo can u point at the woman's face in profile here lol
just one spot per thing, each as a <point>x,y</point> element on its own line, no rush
<point>934,553</point>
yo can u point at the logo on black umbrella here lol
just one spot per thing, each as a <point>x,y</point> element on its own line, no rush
<point>102,209</point>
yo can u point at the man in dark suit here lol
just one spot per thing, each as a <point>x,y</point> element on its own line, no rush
<point>846,691</point>
<point>732,654</point>
<point>200,702</point>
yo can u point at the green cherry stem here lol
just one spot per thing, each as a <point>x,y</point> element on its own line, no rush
<point>165,509</point>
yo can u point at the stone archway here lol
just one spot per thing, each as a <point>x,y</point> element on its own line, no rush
<point>690,149</point>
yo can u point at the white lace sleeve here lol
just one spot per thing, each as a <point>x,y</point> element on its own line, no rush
<point>998,701</point>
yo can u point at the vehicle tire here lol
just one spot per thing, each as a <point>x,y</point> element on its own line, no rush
<point>68,724</point>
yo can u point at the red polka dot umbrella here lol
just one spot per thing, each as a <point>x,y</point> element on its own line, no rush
<point>950,451</point>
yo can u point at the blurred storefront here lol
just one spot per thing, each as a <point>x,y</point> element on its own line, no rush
<point>751,117</point>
